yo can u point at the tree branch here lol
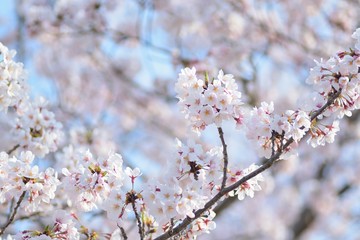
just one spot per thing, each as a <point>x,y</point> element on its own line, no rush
<point>269,162</point>
<point>13,149</point>
<point>141,231</point>
<point>225,155</point>
<point>122,232</point>
<point>12,216</point>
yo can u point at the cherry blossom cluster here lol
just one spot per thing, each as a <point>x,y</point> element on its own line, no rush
<point>12,83</point>
<point>201,225</point>
<point>18,176</point>
<point>91,182</point>
<point>193,161</point>
<point>118,203</point>
<point>247,188</point>
<point>208,101</point>
<point>338,75</point>
<point>190,183</point>
<point>323,133</point>
<point>269,131</point>
<point>36,128</point>
<point>63,227</point>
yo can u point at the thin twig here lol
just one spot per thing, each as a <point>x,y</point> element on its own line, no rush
<point>123,233</point>
<point>273,143</point>
<point>13,149</point>
<point>269,162</point>
<point>12,216</point>
<point>225,154</point>
<point>172,224</point>
<point>141,231</point>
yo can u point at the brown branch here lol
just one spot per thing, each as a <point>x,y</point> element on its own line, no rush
<point>268,163</point>
<point>326,105</point>
<point>223,192</point>
<point>141,231</point>
<point>12,216</point>
<point>123,233</point>
<point>224,205</point>
<point>225,154</point>
<point>13,149</point>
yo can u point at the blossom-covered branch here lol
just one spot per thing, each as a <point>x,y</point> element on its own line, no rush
<point>268,163</point>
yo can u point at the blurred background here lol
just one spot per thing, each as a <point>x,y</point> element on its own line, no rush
<point>109,67</point>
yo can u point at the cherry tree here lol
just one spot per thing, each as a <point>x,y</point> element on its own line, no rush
<point>167,120</point>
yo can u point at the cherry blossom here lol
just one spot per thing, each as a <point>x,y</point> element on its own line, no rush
<point>91,182</point>
<point>63,227</point>
<point>37,130</point>
<point>132,173</point>
<point>19,177</point>
<point>12,80</point>
<point>247,188</point>
<point>79,48</point>
<point>208,101</point>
